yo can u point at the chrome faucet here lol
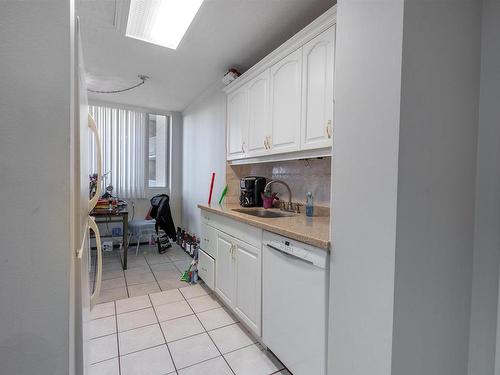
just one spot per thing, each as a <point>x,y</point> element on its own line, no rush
<point>267,188</point>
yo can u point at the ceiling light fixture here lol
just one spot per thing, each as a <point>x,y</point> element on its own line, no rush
<point>162,22</point>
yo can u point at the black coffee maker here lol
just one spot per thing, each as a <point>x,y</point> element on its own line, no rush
<point>250,189</point>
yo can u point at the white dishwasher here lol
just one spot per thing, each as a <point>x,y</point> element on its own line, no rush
<point>295,303</point>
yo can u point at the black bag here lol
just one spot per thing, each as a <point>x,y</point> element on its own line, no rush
<point>160,211</point>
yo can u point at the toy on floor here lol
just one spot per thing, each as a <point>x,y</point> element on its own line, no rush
<point>185,275</point>
<point>191,274</point>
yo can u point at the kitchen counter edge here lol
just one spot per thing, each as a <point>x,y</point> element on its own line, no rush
<point>263,224</point>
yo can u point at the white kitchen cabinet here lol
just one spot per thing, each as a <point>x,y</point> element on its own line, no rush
<point>248,295</point>
<point>208,240</point>
<point>283,107</point>
<point>286,97</point>
<point>317,91</point>
<point>238,279</point>
<point>225,269</point>
<point>238,267</point>
<point>258,113</point>
<point>206,269</point>
<point>237,123</point>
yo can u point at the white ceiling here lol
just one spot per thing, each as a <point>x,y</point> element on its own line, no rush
<point>224,33</point>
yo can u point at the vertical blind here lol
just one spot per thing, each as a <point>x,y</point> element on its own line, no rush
<point>123,139</point>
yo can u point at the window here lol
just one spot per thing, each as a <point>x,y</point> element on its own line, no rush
<point>158,147</point>
<point>135,152</point>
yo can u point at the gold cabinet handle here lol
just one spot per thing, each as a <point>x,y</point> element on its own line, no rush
<point>269,142</point>
<point>265,143</point>
<point>243,147</point>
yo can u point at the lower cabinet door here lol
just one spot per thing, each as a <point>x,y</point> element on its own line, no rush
<point>224,269</point>
<point>206,268</point>
<point>247,303</point>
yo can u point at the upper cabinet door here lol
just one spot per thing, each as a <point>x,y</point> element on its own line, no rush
<point>285,104</point>
<point>237,124</point>
<point>258,104</point>
<point>317,91</point>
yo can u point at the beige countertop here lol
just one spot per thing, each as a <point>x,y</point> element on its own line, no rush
<point>314,231</point>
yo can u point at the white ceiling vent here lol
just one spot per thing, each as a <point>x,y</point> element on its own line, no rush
<point>161,22</point>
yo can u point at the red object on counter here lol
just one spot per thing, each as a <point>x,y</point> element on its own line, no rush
<point>211,188</point>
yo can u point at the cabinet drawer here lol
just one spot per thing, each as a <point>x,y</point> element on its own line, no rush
<point>244,232</point>
<point>208,240</point>
<point>207,217</point>
<point>206,268</point>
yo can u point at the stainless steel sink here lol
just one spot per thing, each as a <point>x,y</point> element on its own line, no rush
<point>260,212</point>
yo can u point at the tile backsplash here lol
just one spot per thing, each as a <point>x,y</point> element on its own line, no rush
<point>312,175</point>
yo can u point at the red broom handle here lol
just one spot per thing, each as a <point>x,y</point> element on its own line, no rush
<point>211,189</point>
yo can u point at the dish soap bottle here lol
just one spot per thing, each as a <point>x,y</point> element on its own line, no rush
<point>309,205</point>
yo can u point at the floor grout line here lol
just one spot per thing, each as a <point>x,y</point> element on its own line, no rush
<point>131,329</point>
<point>205,331</point>
<point>117,341</point>
<point>104,360</point>
<point>164,338</point>
<point>125,275</point>
<point>224,326</point>
<point>211,339</point>
<point>154,276</point>
<point>243,347</point>
<point>142,308</point>
<point>141,350</point>
<point>197,363</point>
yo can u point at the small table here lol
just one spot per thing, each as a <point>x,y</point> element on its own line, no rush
<point>116,215</point>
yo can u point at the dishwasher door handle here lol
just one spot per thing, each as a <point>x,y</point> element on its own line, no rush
<point>290,255</point>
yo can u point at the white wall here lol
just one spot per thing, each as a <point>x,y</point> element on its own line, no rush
<point>485,289</point>
<point>407,92</point>
<point>35,120</point>
<point>365,167</point>
<point>204,152</point>
<point>436,187</point>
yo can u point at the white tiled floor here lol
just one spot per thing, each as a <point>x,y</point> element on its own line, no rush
<point>147,273</point>
<point>180,331</point>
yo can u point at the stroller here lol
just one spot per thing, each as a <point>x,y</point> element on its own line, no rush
<point>165,228</point>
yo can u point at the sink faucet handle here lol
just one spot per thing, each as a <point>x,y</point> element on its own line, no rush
<point>297,208</point>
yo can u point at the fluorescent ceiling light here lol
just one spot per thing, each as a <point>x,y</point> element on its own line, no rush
<point>162,22</point>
